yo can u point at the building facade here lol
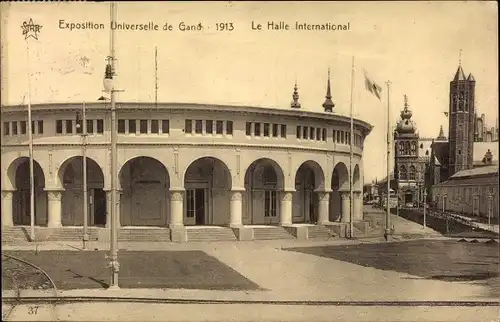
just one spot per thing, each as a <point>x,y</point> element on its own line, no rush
<point>183,165</point>
<point>411,155</point>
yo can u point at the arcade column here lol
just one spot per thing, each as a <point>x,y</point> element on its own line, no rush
<point>346,206</point>
<point>323,207</point>
<point>286,208</point>
<point>236,209</point>
<point>54,205</point>
<point>176,209</point>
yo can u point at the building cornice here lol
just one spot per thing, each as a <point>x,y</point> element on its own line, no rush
<point>183,107</point>
<point>184,145</point>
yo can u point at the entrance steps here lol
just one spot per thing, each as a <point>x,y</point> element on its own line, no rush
<point>65,234</point>
<point>144,234</point>
<point>14,235</point>
<point>320,232</point>
<point>271,232</point>
<point>205,234</point>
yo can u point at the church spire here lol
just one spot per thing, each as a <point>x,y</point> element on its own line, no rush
<point>441,136</point>
<point>295,103</point>
<point>460,75</point>
<point>328,104</point>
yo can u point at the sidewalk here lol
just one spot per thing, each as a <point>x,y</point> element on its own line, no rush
<point>493,227</point>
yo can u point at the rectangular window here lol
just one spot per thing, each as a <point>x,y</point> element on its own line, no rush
<point>275,130</point>
<point>248,129</point>
<point>219,127</point>
<point>305,132</point>
<point>209,127</point>
<point>100,126</point>
<point>342,137</point>
<point>90,126</point>
<point>256,129</point>
<point>23,127</point>
<point>283,130</point>
<point>59,127</point>
<point>69,126</point>
<point>121,126</point>
<point>318,134</point>
<point>154,127</point>
<point>132,128</point>
<point>229,127</point>
<point>198,126</point>
<point>266,129</point>
<point>165,126</point>
<point>299,131</point>
<point>14,128</point>
<point>324,135</point>
<point>270,203</point>
<point>6,128</point>
<point>311,133</point>
<point>188,126</point>
<point>40,127</point>
<point>32,127</point>
<point>143,126</point>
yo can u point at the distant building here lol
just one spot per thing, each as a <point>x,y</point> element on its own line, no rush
<point>463,169</point>
<point>467,158</point>
<point>473,191</point>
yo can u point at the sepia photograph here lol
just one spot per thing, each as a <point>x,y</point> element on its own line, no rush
<point>250,161</point>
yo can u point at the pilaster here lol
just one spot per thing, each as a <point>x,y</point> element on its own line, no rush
<point>7,213</point>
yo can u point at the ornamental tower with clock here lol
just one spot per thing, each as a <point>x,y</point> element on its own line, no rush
<point>461,122</point>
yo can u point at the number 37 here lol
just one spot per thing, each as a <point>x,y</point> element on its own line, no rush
<point>32,310</point>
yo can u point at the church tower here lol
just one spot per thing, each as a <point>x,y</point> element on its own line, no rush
<point>461,121</point>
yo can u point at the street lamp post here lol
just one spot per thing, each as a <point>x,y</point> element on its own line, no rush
<point>82,123</point>
<point>490,207</point>
<point>109,88</point>
<point>425,217</point>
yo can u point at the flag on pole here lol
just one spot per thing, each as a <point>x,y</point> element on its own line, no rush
<point>373,87</point>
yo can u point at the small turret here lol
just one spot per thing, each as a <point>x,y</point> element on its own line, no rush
<point>328,104</point>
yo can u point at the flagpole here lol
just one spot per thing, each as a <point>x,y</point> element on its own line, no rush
<point>351,175</point>
<point>30,148</point>
<point>388,206</point>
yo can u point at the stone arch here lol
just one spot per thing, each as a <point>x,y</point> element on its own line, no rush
<point>339,186</point>
<point>308,178</point>
<point>70,178</point>
<point>19,177</point>
<point>208,182</point>
<point>264,181</point>
<point>144,182</point>
<point>316,170</point>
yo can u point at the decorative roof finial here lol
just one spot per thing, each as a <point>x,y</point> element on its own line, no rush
<point>406,102</point>
<point>441,136</point>
<point>295,103</point>
<point>460,57</point>
<point>328,104</point>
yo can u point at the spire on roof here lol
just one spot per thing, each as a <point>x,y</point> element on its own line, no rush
<point>471,78</point>
<point>328,104</point>
<point>295,103</point>
<point>441,136</point>
<point>459,75</point>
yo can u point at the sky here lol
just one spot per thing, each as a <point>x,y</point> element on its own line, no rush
<point>415,45</point>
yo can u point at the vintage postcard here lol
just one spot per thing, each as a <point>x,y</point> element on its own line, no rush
<point>249,161</point>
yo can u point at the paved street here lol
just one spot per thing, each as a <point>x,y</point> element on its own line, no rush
<point>342,270</point>
<point>253,312</point>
